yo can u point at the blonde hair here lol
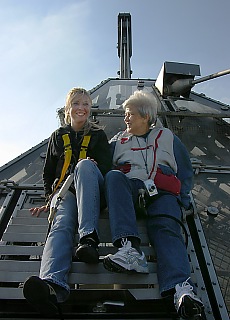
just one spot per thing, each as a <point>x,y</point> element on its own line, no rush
<point>145,103</point>
<point>69,98</point>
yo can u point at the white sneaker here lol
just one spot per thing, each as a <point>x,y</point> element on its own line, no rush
<point>127,259</point>
<point>187,304</point>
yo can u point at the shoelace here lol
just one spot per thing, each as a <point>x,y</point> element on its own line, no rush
<point>125,247</point>
<point>184,288</point>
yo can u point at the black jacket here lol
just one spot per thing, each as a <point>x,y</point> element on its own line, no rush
<point>98,149</point>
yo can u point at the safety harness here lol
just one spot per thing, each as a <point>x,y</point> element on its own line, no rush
<point>68,156</point>
<point>84,147</point>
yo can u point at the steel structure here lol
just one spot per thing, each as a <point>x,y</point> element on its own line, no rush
<point>203,126</point>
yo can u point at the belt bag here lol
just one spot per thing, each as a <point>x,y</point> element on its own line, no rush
<point>168,183</point>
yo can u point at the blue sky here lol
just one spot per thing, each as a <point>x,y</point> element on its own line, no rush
<point>49,46</point>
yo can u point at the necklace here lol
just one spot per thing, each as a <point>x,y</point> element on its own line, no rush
<point>144,157</point>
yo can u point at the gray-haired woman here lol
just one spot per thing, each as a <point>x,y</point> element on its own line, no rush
<point>151,158</point>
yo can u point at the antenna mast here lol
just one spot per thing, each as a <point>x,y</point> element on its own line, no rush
<point>124,45</point>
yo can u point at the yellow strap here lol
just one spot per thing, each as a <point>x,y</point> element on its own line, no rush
<point>84,147</point>
<point>67,155</point>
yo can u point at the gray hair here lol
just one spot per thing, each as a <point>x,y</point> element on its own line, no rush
<point>145,103</point>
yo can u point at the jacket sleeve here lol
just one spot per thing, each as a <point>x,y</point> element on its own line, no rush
<point>184,170</point>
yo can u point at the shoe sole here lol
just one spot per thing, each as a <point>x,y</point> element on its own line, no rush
<point>37,293</point>
<point>115,267</point>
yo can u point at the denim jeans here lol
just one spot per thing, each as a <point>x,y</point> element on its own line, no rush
<point>80,211</point>
<point>164,233</point>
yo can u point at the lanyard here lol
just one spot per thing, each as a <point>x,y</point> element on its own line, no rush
<point>144,158</point>
<point>155,146</point>
<point>155,153</point>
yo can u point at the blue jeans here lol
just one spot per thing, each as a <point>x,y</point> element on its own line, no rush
<point>164,233</point>
<point>80,211</point>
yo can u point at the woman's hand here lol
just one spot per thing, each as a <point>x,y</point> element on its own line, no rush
<point>36,211</point>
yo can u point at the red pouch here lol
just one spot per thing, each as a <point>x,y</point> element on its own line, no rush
<point>168,183</point>
<point>125,168</point>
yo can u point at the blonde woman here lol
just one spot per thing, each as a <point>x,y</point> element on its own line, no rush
<point>80,207</point>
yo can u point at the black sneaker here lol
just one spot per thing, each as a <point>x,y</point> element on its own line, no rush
<point>187,304</point>
<point>41,295</point>
<point>87,251</point>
